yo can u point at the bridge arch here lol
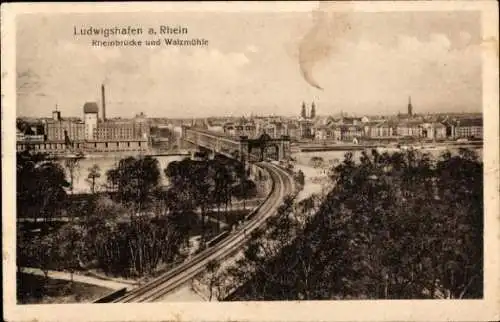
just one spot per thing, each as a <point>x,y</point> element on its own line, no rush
<point>241,148</point>
<point>266,146</point>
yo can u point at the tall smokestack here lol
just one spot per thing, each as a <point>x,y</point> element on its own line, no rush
<point>103,98</point>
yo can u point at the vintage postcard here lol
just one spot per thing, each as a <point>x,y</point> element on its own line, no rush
<point>250,161</point>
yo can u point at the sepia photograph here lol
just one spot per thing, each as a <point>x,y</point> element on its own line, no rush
<point>209,157</point>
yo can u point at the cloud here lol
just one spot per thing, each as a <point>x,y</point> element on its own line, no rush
<point>226,60</point>
<point>438,44</point>
<point>140,79</point>
<point>409,44</point>
<point>383,62</point>
<point>253,49</point>
<point>27,81</point>
<point>195,70</point>
<point>429,69</point>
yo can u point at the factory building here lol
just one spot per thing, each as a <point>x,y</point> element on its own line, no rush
<point>93,134</point>
<point>56,128</point>
<point>121,130</point>
<point>90,117</point>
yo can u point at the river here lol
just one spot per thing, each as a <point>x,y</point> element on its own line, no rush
<point>331,156</point>
<point>108,162</point>
<point>316,179</point>
<point>105,163</point>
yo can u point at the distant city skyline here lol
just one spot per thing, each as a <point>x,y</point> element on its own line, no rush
<point>251,65</point>
<point>249,115</point>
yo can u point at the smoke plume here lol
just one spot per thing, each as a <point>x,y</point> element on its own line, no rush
<point>318,43</point>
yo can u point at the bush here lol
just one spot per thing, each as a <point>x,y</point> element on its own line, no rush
<point>316,162</point>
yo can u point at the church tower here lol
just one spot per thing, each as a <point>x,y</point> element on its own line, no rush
<point>410,107</point>
<point>313,110</point>
<point>303,111</point>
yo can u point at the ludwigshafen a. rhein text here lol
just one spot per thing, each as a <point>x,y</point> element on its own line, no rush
<point>128,30</point>
<point>136,31</point>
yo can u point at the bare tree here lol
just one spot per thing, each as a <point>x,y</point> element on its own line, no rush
<point>212,277</point>
<point>94,174</point>
<point>72,165</point>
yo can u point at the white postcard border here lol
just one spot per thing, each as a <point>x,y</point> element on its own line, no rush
<point>486,309</point>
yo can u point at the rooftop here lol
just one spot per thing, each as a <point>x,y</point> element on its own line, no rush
<point>90,107</point>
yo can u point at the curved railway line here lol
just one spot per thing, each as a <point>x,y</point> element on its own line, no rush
<point>282,185</point>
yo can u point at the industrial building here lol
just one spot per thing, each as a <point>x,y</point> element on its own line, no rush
<point>93,134</point>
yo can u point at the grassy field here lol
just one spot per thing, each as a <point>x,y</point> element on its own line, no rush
<point>34,289</point>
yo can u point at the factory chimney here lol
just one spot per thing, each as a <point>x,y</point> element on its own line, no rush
<point>103,98</point>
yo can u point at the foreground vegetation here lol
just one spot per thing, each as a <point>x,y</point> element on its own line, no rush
<point>394,226</point>
<point>135,228</point>
<point>33,289</point>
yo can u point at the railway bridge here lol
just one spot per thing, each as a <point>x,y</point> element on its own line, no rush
<point>241,148</point>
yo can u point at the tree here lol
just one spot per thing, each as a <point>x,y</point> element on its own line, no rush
<point>394,226</point>
<point>118,246</point>
<point>263,248</point>
<point>316,161</point>
<point>211,277</point>
<point>43,254</point>
<point>300,178</point>
<point>40,186</point>
<point>112,179</point>
<point>460,194</point>
<point>72,164</point>
<point>70,247</point>
<point>105,239</point>
<point>94,174</point>
<point>22,249</point>
<point>202,184</point>
<point>135,179</point>
<point>29,130</point>
<point>137,247</point>
<point>21,125</point>
<point>222,191</point>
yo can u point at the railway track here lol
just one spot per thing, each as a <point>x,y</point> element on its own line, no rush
<point>282,185</point>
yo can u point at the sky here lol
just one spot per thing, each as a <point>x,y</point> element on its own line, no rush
<point>255,63</point>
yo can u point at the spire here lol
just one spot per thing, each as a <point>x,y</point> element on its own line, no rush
<point>410,107</point>
<point>303,111</point>
<point>313,110</point>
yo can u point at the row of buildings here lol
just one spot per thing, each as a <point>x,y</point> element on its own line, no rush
<point>344,128</point>
<point>92,133</point>
<point>92,128</point>
<point>96,133</point>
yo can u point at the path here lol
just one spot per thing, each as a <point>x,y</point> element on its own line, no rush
<point>112,284</point>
